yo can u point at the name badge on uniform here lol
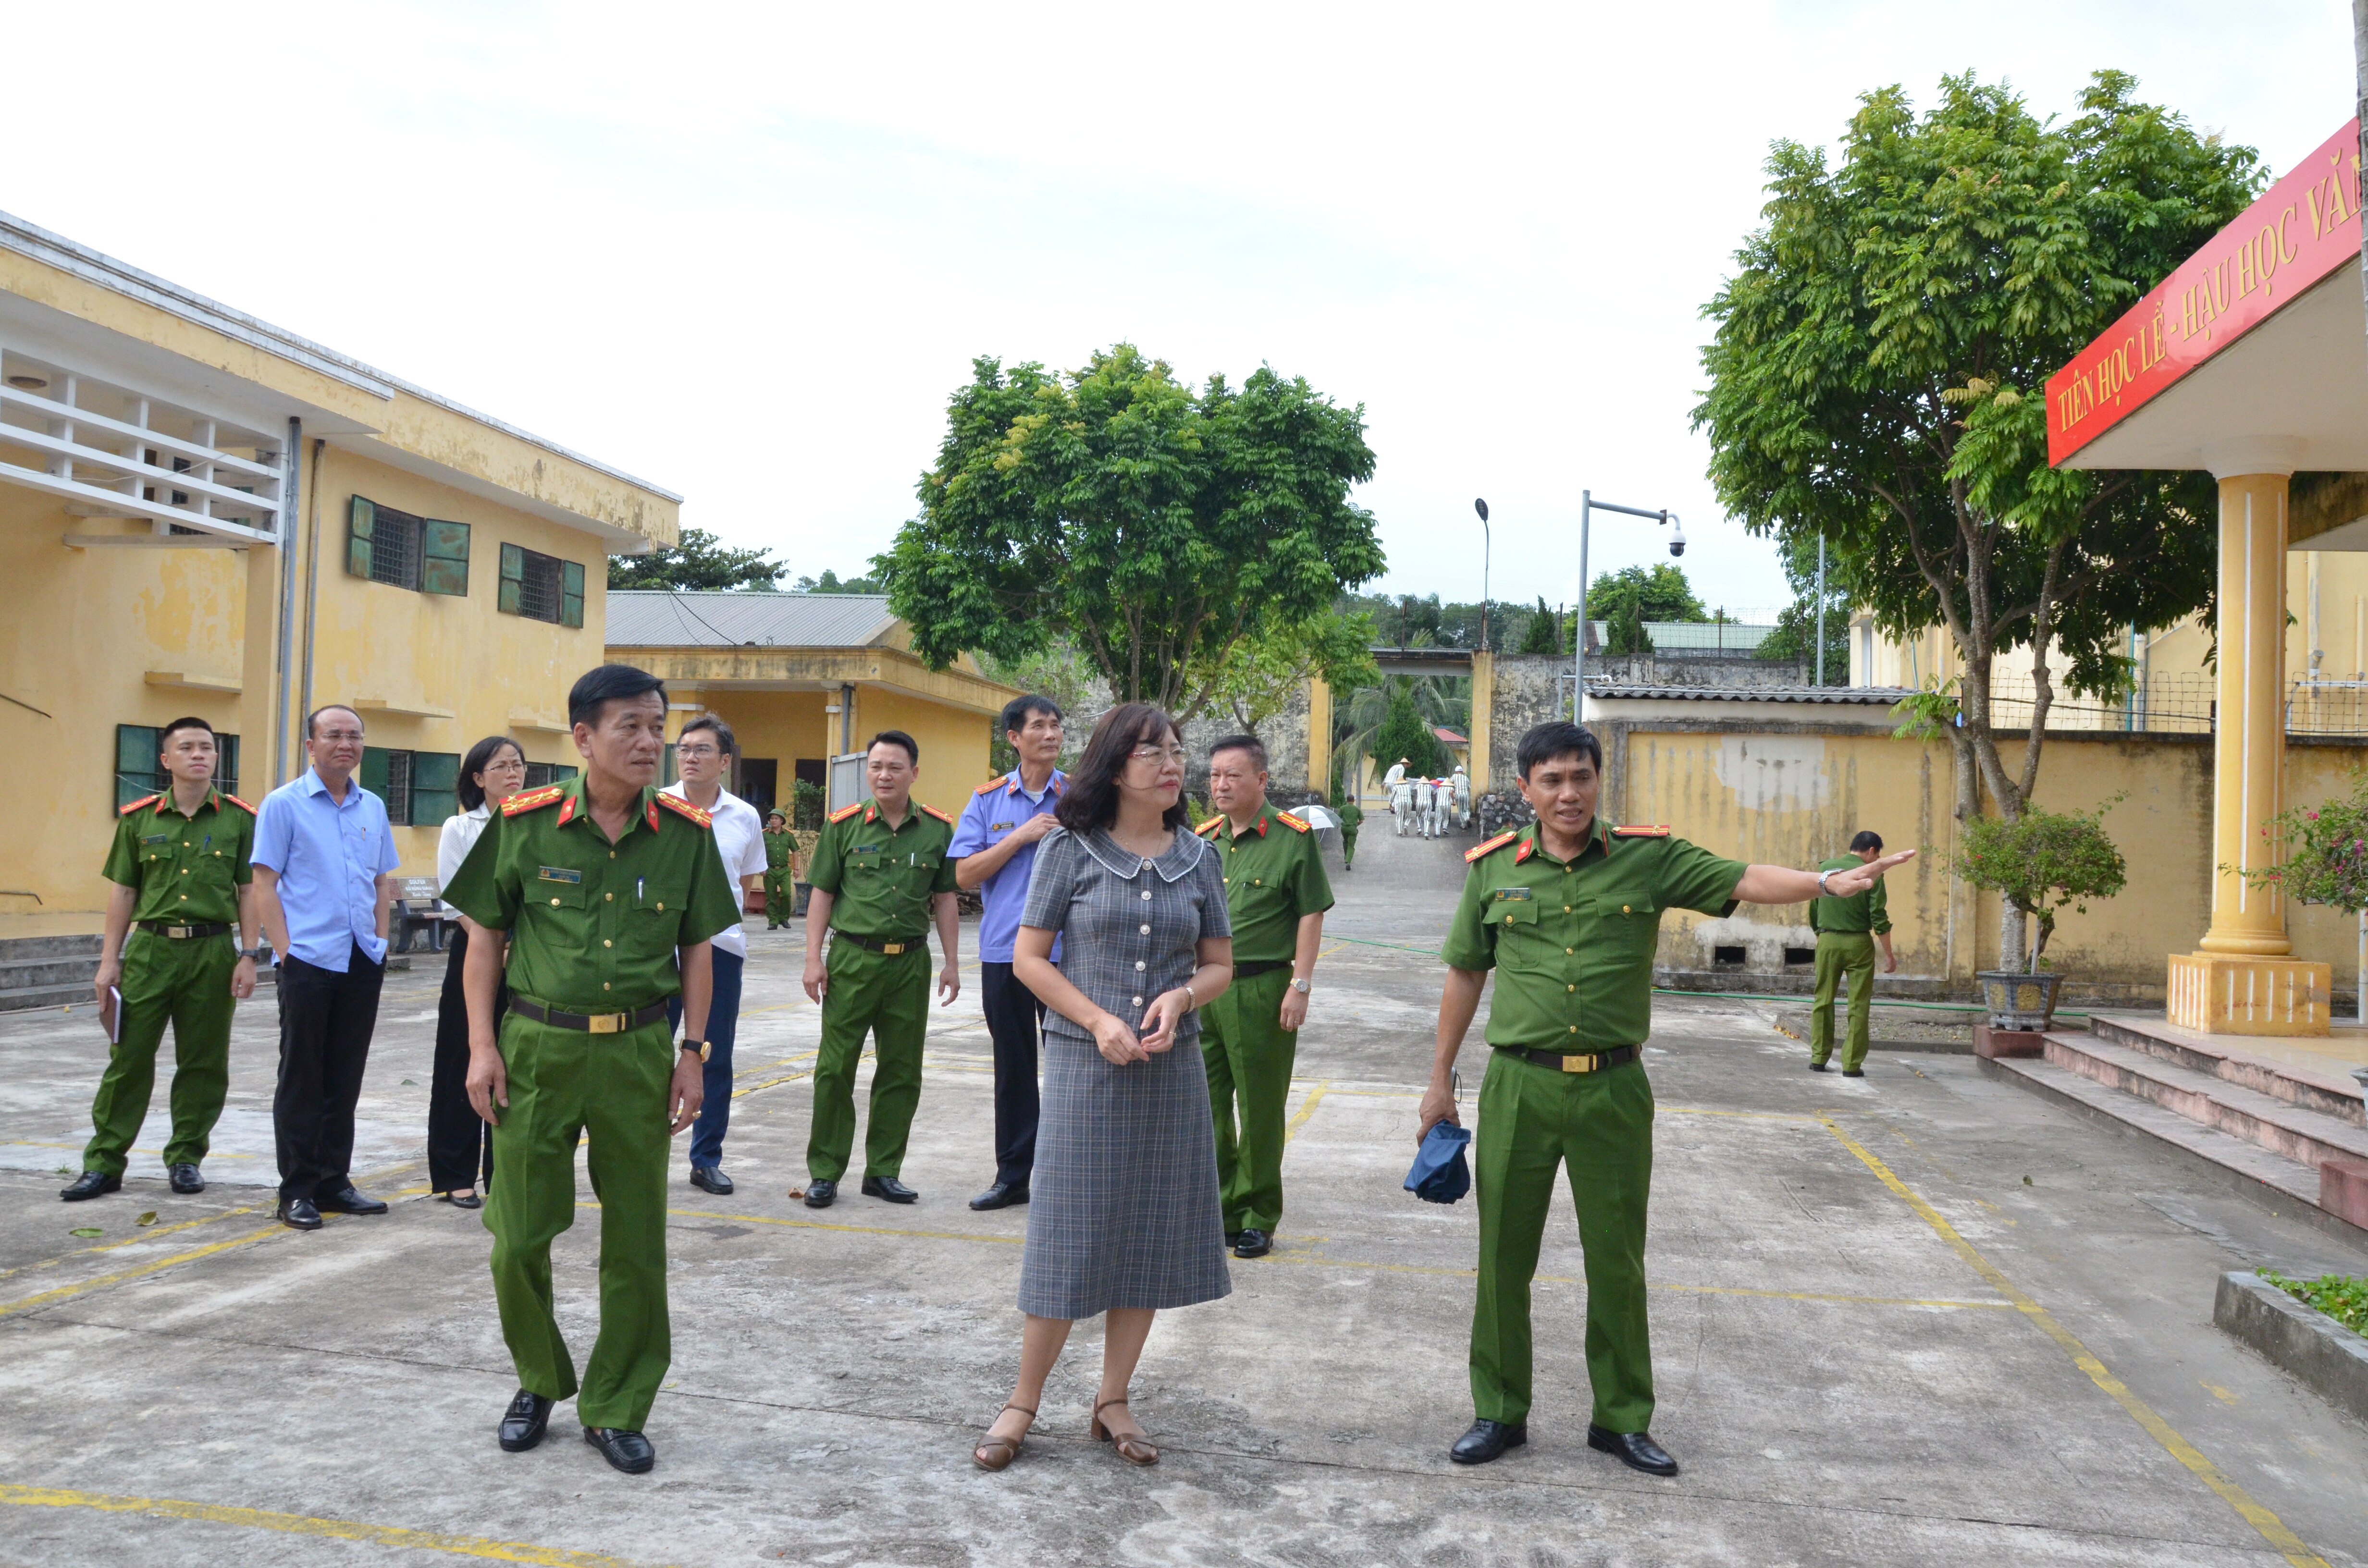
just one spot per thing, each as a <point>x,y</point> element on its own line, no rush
<point>865,850</point>
<point>1001,827</point>
<point>559,874</point>
<point>1512,896</point>
<point>157,838</point>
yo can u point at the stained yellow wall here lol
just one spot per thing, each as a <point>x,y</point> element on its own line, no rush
<point>782,725</point>
<point>953,743</point>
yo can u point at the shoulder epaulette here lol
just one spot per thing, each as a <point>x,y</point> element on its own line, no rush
<point>939,815</point>
<point>1661,832</point>
<point>846,811</point>
<point>146,801</point>
<point>234,800</point>
<point>1292,822</point>
<point>1493,844</point>
<point>533,800</point>
<point>683,808</point>
<point>1204,827</point>
<point>991,786</point>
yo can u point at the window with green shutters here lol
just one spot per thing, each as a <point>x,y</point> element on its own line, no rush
<point>419,787</point>
<point>538,774</point>
<point>541,588</point>
<point>406,552</point>
<point>138,776</point>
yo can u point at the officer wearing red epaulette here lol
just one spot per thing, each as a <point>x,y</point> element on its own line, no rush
<point>180,868</point>
<point>881,877</point>
<point>1568,911</point>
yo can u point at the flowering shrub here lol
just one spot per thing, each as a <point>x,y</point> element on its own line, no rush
<point>2327,852</point>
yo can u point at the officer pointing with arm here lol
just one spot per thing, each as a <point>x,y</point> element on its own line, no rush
<point>1568,911</point>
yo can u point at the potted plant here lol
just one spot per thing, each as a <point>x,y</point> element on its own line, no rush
<point>2039,864</point>
<point>2327,862</point>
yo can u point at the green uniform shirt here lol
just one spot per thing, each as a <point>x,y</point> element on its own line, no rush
<point>1573,944</point>
<point>881,879</point>
<point>594,926</point>
<point>777,848</point>
<point>1274,878</point>
<point>1859,912</point>
<point>188,869</point>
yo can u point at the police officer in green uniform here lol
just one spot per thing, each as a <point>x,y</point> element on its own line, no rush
<point>778,847</point>
<point>1568,911</point>
<point>1352,817</point>
<point>1848,930</point>
<point>181,876</point>
<point>600,883</point>
<point>879,878</point>
<point>1276,892</point>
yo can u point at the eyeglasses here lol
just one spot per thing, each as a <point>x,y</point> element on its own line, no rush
<point>1157,753</point>
<point>697,751</point>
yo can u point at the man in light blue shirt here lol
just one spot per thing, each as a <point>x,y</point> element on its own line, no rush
<point>994,850</point>
<point>323,876</point>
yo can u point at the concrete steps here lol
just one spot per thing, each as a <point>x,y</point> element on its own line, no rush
<point>46,972</point>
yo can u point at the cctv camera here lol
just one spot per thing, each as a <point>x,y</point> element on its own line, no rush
<point>1676,537</point>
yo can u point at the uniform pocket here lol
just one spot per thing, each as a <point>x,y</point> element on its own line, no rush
<point>657,920</point>
<point>1632,921</point>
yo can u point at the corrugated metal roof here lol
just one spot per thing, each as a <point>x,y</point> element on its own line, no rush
<point>643,617</point>
<point>1859,695</point>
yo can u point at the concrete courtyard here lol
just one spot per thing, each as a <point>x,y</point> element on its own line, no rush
<point>1920,1318</point>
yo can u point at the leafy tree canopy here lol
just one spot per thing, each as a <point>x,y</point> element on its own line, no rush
<point>1406,733</point>
<point>828,582</point>
<point>1646,593</point>
<point>2043,861</point>
<point>1877,376</point>
<point>698,561</point>
<point>1152,525</point>
<point>1262,672</point>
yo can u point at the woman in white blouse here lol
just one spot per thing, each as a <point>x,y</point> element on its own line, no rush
<point>458,1144</point>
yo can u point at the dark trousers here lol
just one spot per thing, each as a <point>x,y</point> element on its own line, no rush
<point>460,1145</point>
<point>722,1023</point>
<point>1015,1020</point>
<point>325,1021</point>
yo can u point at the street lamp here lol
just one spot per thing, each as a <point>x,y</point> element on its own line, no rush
<point>1482,508</point>
<point>1587,506</point>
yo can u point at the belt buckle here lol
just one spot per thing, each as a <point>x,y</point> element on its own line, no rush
<point>179,933</point>
<point>606,1023</point>
<point>893,949</point>
<point>1583,1064</point>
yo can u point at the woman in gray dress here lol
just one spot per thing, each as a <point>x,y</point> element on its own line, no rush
<point>1124,1216</point>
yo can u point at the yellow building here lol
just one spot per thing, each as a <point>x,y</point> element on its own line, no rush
<point>806,680</point>
<point>201,512</point>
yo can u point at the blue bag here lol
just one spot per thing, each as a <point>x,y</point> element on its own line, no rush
<point>1440,1174</point>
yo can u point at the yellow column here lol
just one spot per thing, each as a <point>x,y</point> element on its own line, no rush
<point>1484,699</point>
<point>1319,736</point>
<point>2240,981</point>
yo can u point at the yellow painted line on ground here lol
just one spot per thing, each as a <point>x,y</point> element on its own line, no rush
<point>2273,1529</point>
<point>1823,1296</point>
<point>149,1234</point>
<point>784,1062</point>
<point>1306,1109</point>
<point>771,1082</point>
<point>1745,1114</point>
<point>827,1225</point>
<point>299,1524</point>
<point>65,1293</point>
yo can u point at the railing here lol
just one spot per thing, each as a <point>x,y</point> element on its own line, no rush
<point>2187,705</point>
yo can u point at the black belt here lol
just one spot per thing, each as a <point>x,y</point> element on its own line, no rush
<point>880,944</point>
<point>590,1023</point>
<point>180,933</point>
<point>1256,967</point>
<point>1577,1061</point>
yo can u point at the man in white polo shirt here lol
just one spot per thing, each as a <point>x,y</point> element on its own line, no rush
<point>702,757</point>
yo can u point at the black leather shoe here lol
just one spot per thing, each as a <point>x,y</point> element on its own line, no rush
<point>347,1200</point>
<point>91,1183</point>
<point>1254,1243</point>
<point>1636,1449</point>
<point>1232,1238</point>
<point>187,1181</point>
<point>889,1187</point>
<point>1488,1440</point>
<point>523,1422</point>
<point>629,1451</point>
<point>821,1194</point>
<point>1853,1072</point>
<point>1002,1195</point>
<point>710,1179</point>
<point>1817,1066</point>
<point>298,1214</point>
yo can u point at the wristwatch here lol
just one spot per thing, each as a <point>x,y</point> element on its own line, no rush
<point>1821,882</point>
<point>701,1046</point>
<point>1299,986</point>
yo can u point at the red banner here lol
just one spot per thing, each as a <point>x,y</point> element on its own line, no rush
<point>2305,227</point>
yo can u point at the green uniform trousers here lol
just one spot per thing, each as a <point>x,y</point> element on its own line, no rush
<point>778,903</point>
<point>1348,848</point>
<point>889,997</point>
<point>1248,1055</point>
<point>610,1090</point>
<point>187,984</point>
<point>1840,952</point>
<point>1600,1126</point>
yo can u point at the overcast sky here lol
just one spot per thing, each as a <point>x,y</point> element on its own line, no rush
<point>747,253</point>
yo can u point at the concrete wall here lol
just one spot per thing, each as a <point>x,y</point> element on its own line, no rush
<point>1523,695</point>
<point>1698,668</point>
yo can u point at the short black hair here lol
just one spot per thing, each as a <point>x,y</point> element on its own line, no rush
<point>725,741</point>
<point>481,756</point>
<point>1555,738</point>
<point>1867,839</point>
<point>165,735</point>
<point>588,698</point>
<point>1250,743</point>
<point>1016,711</point>
<point>895,738</point>
<point>312,720</point>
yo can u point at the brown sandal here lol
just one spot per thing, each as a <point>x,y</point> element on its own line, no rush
<point>996,1453</point>
<point>1133,1447</point>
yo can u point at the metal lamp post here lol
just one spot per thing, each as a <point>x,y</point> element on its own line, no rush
<point>1482,508</point>
<point>1587,506</point>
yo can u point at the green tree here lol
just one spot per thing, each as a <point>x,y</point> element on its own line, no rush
<point>1651,593</point>
<point>1543,633</point>
<point>2041,862</point>
<point>698,562</point>
<point>1262,674</point>
<point>1153,526</point>
<point>828,582</point>
<point>1877,375</point>
<point>1406,733</point>
<point>1795,636</point>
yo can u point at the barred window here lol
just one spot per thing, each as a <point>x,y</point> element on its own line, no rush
<point>420,787</point>
<point>406,552</point>
<point>538,774</point>
<point>541,588</point>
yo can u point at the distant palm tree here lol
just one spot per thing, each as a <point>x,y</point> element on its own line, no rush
<point>1442,700</point>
